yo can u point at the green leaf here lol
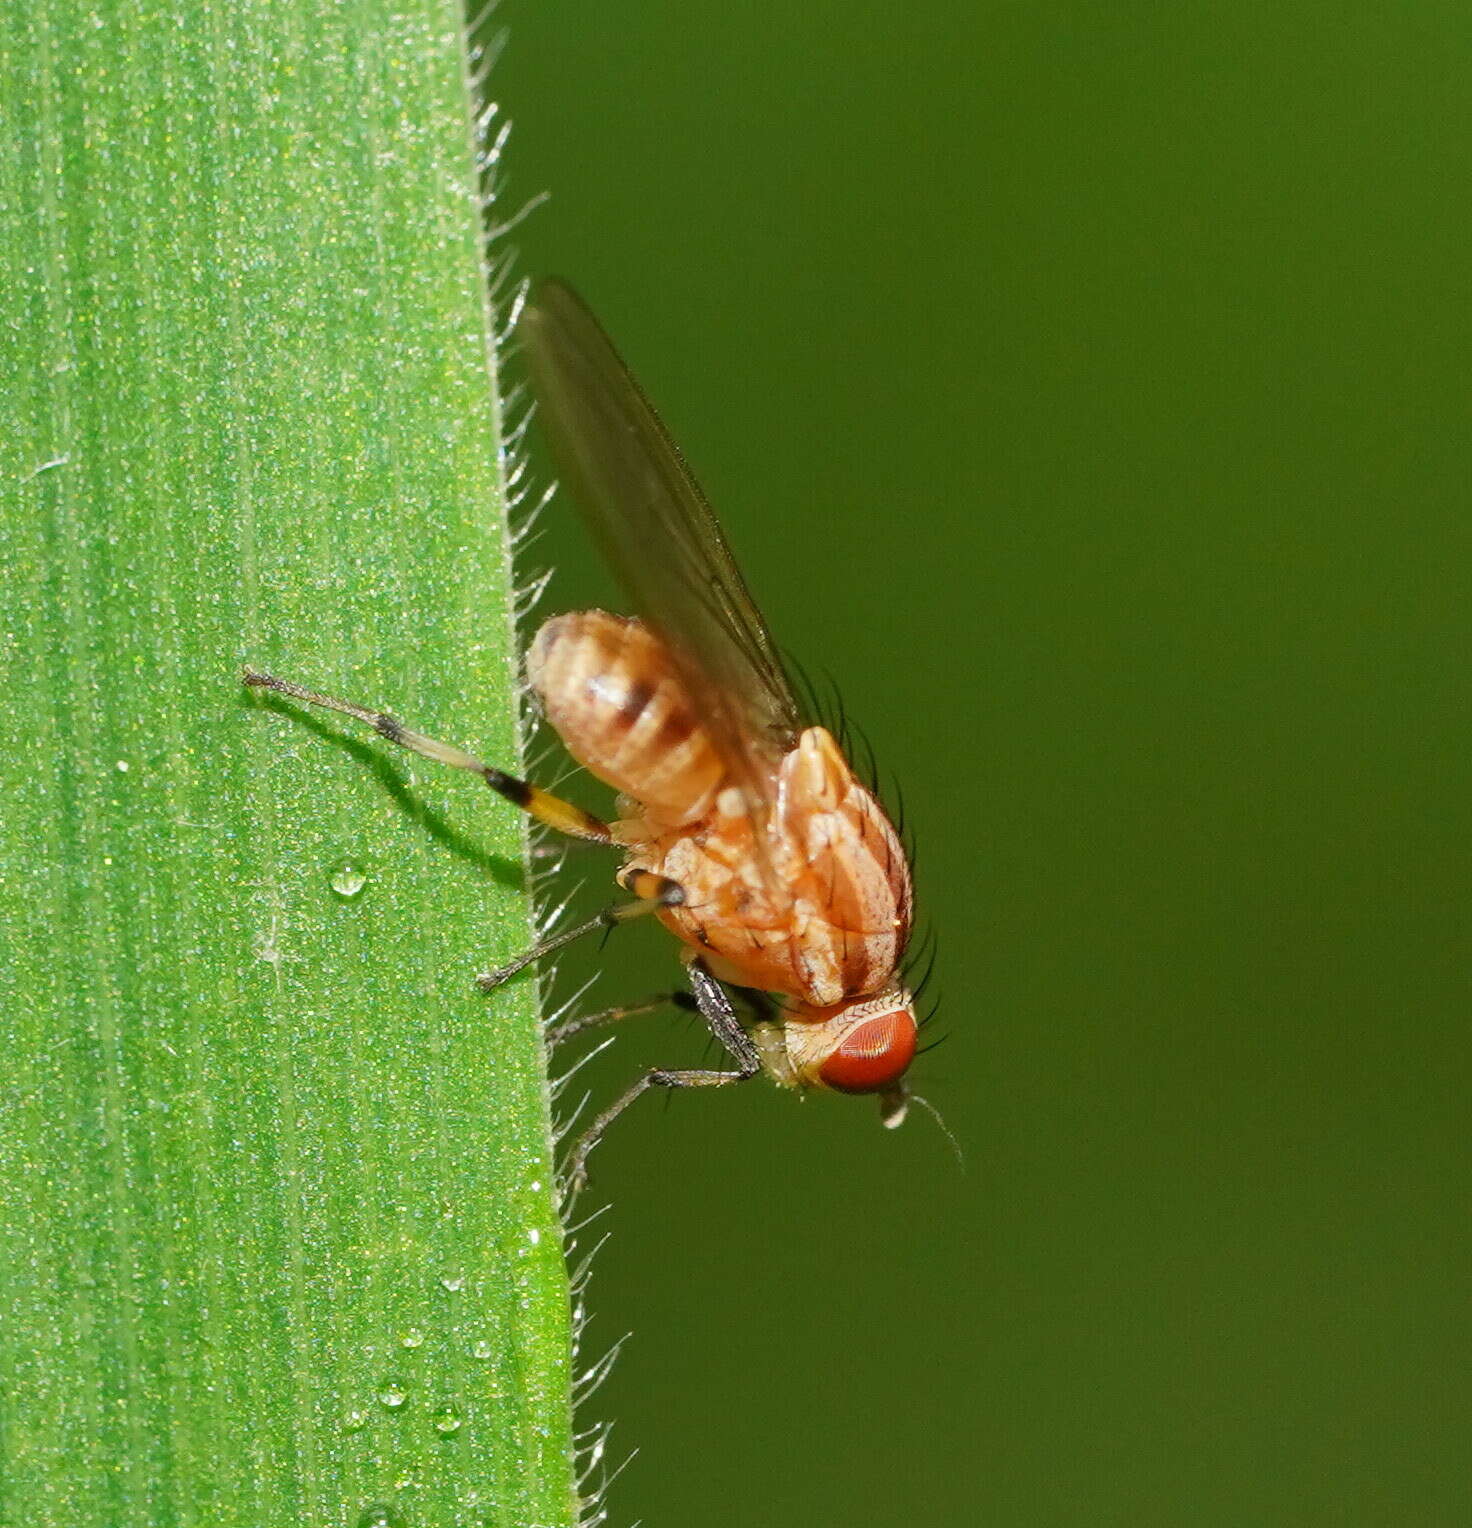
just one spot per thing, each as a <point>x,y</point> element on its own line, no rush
<point>278,1234</point>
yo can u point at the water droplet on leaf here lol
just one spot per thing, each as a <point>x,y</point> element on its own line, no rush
<point>381,1515</point>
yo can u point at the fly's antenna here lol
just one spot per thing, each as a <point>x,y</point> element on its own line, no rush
<point>945,1129</point>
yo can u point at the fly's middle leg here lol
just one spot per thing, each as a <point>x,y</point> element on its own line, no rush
<point>715,1008</point>
<point>555,1034</point>
<point>651,892</point>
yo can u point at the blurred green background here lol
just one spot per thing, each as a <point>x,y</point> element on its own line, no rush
<point>1087,387</point>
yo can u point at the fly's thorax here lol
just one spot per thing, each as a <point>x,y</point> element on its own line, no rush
<point>611,692</point>
<point>849,873</point>
<point>812,902</point>
<point>737,917</point>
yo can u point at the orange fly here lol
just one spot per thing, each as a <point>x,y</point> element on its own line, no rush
<point>744,831</point>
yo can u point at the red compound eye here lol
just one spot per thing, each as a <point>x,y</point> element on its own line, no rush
<point>872,1055</point>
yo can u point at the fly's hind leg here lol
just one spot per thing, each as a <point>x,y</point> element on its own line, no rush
<point>715,1008</point>
<point>651,892</point>
<point>532,799</point>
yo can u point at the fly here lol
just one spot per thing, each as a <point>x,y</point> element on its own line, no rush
<point>743,828</point>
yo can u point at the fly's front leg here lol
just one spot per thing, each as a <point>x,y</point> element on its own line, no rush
<point>715,1008</point>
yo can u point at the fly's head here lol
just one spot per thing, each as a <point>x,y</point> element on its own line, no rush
<point>862,1046</point>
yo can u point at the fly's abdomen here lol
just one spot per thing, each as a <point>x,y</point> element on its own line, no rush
<point>610,690</point>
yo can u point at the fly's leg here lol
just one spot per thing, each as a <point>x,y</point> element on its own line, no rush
<point>532,799</point>
<point>651,893</point>
<point>715,1008</point>
<point>557,1033</point>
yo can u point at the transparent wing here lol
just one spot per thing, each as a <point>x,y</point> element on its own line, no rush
<point>659,535</point>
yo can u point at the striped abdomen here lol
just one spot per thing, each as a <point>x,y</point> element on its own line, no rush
<point>615,699</point>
